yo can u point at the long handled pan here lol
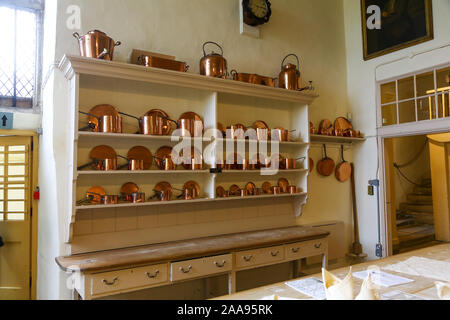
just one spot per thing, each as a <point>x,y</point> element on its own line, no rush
<point>357,249</point>
<point>344,169</point>
<point>326,166</point>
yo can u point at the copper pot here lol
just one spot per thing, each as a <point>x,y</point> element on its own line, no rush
<point>101,164</point>
<point>292,189</point>
<point>258,192</point>
<point>96,44</point>
<point>165,195</point>
<point>281,134</point>
<point>110,199</point>
<point>168,163</point>
<point>154,123</point>
<point>196,164</point>
<point>190,194</point>
<point>276,190</point>
<point>213,64</point>
<point>105,123</point>
<point>243,77</point>
<point>194,128</point>
<point>136,165</point>
<point>138,197</point>
<point>236,131</point>
<point>243,193</point>
<point>290,75</point>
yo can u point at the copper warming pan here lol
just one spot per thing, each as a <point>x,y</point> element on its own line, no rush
<point>96,44</point>
<point>156,62</point>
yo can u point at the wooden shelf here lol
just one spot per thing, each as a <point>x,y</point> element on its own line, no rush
<point>271,172</point>
<point>175,202</point>
<point>292,143</point>
<point>315,138</point>
<point>144,172</point>
<point>131,136</point>
<point>71,65</point>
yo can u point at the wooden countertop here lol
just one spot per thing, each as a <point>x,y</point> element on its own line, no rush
<point>422,287</point>
<point>186,249</point>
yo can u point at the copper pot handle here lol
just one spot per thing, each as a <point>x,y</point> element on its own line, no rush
<point>173,121</point>
<point>76,35</point>
<point>129,115</point>
<point>89,114</point>
<point>118,43</point>
<point>103,54</point>
<point>298,62</point>
<point>211,42</point>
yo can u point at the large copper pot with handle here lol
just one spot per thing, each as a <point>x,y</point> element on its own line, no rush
<point>213,64</point>
<point>96,44</point>
<point>155,122</point>
<point>289,77</point>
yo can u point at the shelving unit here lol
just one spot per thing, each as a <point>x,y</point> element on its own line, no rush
<point>315,138</point>
<point>135,90</point>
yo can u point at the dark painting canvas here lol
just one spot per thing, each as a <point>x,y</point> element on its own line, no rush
<point>400,24</point>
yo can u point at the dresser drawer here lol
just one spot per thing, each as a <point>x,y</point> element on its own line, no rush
<point>198,268</point>
<point>305,249</point>
<point>245,259</point>
<point>109,282</point>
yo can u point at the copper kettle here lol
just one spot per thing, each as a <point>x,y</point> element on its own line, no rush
<point>213,64</point>
<point>290,75</point>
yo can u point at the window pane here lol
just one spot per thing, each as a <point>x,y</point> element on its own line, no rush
<point>407,111</point>
<point>389,114</point>
<point>16,217</point>
<point>16,194</point>
<point>388,94</point>
<point>443,78</point>
<point>16,170</point>
<point>426,108</point>
<point>1,206</point>
<point>16,148</point>
<point>2,170</point>
<point>443,105</point>
<point>7,53</point>
<point>406,88</point>
<point>425,84</point>
<point>16,206</point>
<point>16,158</point>
<point>16,179</point>
<point>1,217</point>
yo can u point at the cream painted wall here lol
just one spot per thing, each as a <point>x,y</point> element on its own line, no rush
<point>361,83</point>
<point>312,29</point>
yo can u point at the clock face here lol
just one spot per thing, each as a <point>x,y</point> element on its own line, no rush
<point>259,8</point>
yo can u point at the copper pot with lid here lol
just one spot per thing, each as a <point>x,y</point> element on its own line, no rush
<point>289,77</point>
<point>96,44</point>
<point>213,64</point>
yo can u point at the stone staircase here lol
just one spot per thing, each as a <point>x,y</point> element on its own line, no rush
<point>415,221</point>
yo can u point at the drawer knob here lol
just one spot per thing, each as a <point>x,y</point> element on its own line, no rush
<point>274,254</point>
<point>186,271</point>
<point>317,246</point>
<point>247,259</point>
<point>220,265</point>
<point>113,282</point>
<point>152,276</point>
<point>295,250</point>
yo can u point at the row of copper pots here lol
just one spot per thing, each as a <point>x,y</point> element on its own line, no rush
<point>238,131</point>
<point>236,191</point>
<point>246,164</point>
<point>96,44</point>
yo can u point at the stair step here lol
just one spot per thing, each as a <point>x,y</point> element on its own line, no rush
<point>423,190</point>
<point>416,207</point>
<point>427,181</point>
<point>420,198</point>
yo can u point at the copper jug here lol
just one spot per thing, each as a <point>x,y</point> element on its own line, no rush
<point>290,75</point>
<point>213,64</point>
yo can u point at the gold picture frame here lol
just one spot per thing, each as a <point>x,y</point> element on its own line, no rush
<point>395,17</point>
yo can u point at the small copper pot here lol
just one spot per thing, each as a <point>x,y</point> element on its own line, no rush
<point>196,164</point>
<point>292,189</point>
<point>243,193</point>
<point>290,164</point>
<point>237,131</point>
<point>281,135</point>
<point>243,77</point>
<point>105,123</point>
<point>262,134</point>
<point>276,190</point>
<point>190,128</point>
<point>103,165</point>
<point>165,195</point>
<point>190,194</point>
<point>110,199</point>
<point>136,165</point>
<point>258,191</point>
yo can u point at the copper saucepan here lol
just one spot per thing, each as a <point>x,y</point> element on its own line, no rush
<point>101,164</point>
<point>104,199</point>
<point>155,122</point>
<point>96,44</point>
<point>281,134</point>
<point>105,123</point>
<point>167,163</point>
<point>291,164</point>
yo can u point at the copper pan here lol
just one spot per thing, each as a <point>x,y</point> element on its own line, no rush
<point>190,125</point>
<point>281,134</point>
<point>96,44</point>
<point>155,122</point>
<point>104,123</point>
<point>236,131</point>
<point>243,77</point>
<point>157,62</point>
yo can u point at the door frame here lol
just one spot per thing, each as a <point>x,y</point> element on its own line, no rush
<point>34,203</point>
<point>397,131</point>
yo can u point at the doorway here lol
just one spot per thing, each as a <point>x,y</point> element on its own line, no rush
<point>17,224</point>
<point>414,186</point>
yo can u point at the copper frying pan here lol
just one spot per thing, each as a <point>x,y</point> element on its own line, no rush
<point>344,169</point>
<point>326,166</point>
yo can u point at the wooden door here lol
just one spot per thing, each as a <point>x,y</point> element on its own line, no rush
<point>15,217</point>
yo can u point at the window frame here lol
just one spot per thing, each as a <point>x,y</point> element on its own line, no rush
<point>416,98</point>
<point>36,7</point>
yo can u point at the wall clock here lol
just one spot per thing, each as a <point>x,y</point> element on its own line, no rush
<point>256,12</point>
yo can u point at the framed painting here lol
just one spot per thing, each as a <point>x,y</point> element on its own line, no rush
<point>391,25</point>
